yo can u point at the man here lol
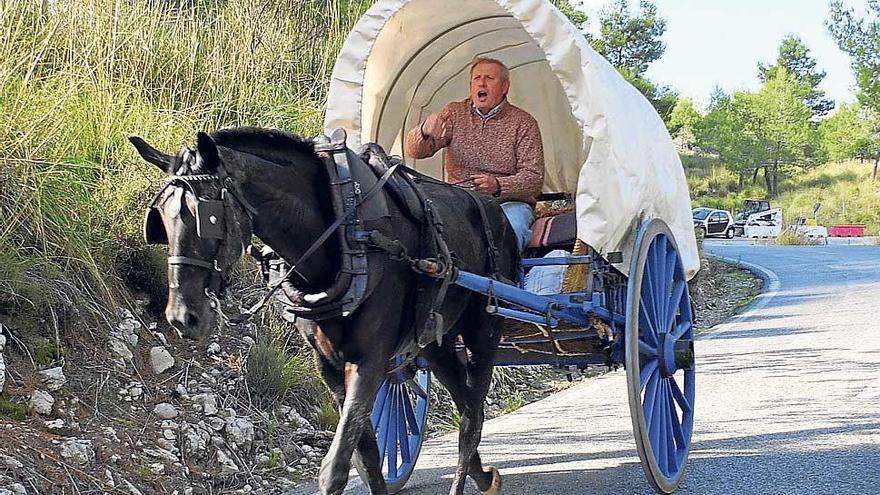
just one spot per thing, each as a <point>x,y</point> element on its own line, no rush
<point>490,144</point>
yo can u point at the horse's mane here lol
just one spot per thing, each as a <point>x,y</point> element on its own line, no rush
<point>272,145</point>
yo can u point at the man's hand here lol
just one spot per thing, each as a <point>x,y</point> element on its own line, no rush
<point>434,126</point>
<point>487,184</point>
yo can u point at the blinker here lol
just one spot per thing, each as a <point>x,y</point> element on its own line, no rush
<point>209,219</point>
<point>154,227</point>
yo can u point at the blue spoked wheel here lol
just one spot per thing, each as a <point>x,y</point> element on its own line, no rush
<point>660,356</point>
<point>399,417</point>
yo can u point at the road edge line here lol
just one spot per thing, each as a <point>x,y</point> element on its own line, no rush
<point>771,283</point>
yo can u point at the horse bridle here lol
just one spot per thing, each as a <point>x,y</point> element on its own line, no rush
<point>210,222</point>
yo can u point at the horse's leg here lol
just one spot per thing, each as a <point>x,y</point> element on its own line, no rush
<point>366,455</point>
<point>468,400</point>
<point>361,381</point>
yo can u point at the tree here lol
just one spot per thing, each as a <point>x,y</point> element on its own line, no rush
<point>630,41</point>
<point>767,130</point>
<point>684,117</point>
<point>795,57</point>
<point>778,121</point>
<point>860,39</point>
<point>849,134</point>
<point>577,16</point>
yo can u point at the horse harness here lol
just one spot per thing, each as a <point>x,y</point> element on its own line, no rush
<point>356,213</point>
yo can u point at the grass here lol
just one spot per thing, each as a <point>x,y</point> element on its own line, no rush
<point>81,76</point>
<point>11,409</point>
<point>846,191</point>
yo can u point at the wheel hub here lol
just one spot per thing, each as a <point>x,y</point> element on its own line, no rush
<point>675,354</point>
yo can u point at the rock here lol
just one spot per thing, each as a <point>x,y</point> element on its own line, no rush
<point>165,410</point>
<point>298,421</point>
<point>2,371</point>
<point>108,477</point>
<point>41,402</point>
<point>166,444</point>
<point>247,340</point>
<point>78,451</point>
<point>55,424</point>
<point>195,439</point>
<point>2,338</point>
<point>240,432</point>
<point>120,350</point>
<point>208,403</point>
<point>135,392</point>
<point>213,348</point>
<point>110,433</point>
<point>161,359</point>
<point>17,489</point>
<point>160,453</point>
<point>181,391</point>
<point>157,468</point>
<point>216,423</point>
<point>263,460</point>
<point>10,462</point>
<point>218,442</point>
<point>227,465</point>
<point>169,434</point>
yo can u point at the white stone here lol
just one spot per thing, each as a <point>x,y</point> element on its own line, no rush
<point>208,403</point>
<point>227,465</point>
<point>157,468</point>
<point>214,348</point>
<point>216,423</point>
<point>195,440</point>
<point>165,444</point>
<point>2,372</point>
<point>110,433</point>
<point>10,462</point>
<point>181,390</point>
<point>41,402</point>
<point>161,359</point>
<point>108,475</point>
<point>247,340</point>
<point>135,392</point>
<point>120,350</point>
<point>165,410</point>
<point>78,451</point>
<point>169,434</point>
<point>53,378</point>
<point>2,339</point>
<point>18,489</point>
<point>55,424</point>
<point>240,431</point>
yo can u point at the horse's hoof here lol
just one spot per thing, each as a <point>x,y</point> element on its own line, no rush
<point>495,489</point>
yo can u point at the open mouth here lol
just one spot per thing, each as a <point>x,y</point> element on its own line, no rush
<point>482,94</point>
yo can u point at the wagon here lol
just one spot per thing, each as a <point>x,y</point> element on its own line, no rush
<point>605,146</point>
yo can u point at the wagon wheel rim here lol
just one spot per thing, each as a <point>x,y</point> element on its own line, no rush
<point>659,357</point>
<point>399,418</point>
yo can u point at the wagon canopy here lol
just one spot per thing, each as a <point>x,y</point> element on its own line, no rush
<point>603,141</point>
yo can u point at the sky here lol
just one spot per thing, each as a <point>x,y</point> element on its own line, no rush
<point>720,42</point>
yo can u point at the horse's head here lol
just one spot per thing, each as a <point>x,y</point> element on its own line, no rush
<point>205,225</point>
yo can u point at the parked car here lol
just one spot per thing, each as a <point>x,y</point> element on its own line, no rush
<point>712,222</point>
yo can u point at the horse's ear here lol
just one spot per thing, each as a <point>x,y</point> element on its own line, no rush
<point>152,155</point>
<point>208,157</point>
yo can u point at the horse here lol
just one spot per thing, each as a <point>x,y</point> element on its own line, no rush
<point>274,186</point>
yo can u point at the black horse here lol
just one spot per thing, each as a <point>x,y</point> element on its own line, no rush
<point>275,186</point>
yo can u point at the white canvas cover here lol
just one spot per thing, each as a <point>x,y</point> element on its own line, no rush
<point>603,141</point>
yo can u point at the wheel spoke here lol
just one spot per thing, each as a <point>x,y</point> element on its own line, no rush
<point>413,384</point>
<point>647,349</point>
<point>382,427</point>
<point>411,420</point>
<point>672,464</point>
<point>402,438</point>
<point>681,329</point>
<point>647,372</point>
<point>661,450</point>
<point>674,301</point>
<point>648,328</point>
<point>391,436</point>
<point>379,406</point>
<point>676,423</point>
<point>682,401</point>
<point>650,401</point>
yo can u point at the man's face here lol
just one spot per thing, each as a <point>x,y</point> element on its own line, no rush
<point>487,86</point>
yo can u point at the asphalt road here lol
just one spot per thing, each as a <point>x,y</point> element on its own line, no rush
<point>788,398</point>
